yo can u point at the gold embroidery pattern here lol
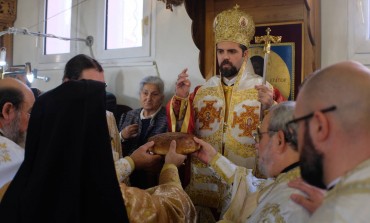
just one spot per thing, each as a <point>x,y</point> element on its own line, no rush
<point>234,25</point>
<point>241,149</point>
<point>283,177</point>
<point>355,187</point>
<point>208,114</point>
<point>169,174</point>
<point>214,140</point>
<point>206,197</point>
<point>271,213</point>
<point>123,169</point>
<point>247,120</point>
<point>215,91</point>
<point>4,154</point>
<point>221,173</point>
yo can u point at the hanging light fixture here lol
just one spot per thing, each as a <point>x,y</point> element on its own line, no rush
<point>26,71</point>
<point>30,76</point>
<point>2,56</point>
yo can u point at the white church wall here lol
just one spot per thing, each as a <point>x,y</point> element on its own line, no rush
<point>174,51</point>
<point>334,31</point>
<point>174,47</point>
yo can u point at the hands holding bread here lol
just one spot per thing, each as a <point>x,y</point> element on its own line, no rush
<point>172,157</point>
<point>206,151</point>
<point>184,144</point>
<point>145,159</point>
<point>175,146</point>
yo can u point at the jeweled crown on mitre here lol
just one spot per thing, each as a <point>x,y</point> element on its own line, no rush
<point>234,25</point>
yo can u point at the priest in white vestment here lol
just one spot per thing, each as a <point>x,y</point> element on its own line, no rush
<point>16,101</point>
<point>333,118</point>
<point>258,200</point>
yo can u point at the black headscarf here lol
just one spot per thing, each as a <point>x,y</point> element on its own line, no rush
<point>68,173</point>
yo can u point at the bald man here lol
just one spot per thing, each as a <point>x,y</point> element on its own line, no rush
<point>333,118</point>
<point>16,101</point>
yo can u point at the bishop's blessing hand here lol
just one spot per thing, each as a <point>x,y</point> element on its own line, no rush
<point>183,84</point>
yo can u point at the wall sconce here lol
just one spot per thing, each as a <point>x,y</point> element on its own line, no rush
<point>2,56</point>
<point>32,74</point>
<point>23,72</point>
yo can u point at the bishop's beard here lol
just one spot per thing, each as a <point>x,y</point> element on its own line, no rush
<point>228,72</point>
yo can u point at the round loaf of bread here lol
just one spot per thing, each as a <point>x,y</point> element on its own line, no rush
<point>185,143</point>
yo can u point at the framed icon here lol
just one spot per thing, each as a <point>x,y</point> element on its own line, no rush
<point>285,65</point>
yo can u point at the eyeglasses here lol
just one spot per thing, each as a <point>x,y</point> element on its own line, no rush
<point>310,115</point>
<point>257,136</point>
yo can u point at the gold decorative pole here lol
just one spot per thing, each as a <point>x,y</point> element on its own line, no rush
<point>267,39</point>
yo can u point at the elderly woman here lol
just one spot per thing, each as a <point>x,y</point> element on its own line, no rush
<point>140,124</point>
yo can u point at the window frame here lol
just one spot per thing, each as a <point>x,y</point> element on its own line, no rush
<point>128,56</point>
<point>359,31</point>
<point>52,60</point>
<point>108,58</point>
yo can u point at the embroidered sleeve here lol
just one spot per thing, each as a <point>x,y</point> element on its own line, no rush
<point>124,168</point>
<point>223,167</point>
<point>163,203</point>
<point>114,134</point>
<point>170,175</point>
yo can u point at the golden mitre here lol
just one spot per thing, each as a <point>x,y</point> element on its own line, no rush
<point>234,25</point>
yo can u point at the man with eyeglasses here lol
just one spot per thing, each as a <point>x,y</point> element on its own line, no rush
<point>333,118</point>
<point>258,200</point>
<point>16,101</point>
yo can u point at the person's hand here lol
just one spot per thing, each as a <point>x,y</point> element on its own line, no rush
<point>143,159</point>
<point>183,84</point>
<point>265,96</point>
<point>314,197</point>
<point>172,157</point>
<point>206,151</point>
<point>130,131</point>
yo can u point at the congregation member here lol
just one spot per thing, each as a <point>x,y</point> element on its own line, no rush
<point>84,67</point>
<point>68,174</point>
<point>139,124</point>
<point>333,118</point>
<point>259,200</point>
<point>225,111</point>
<point>16,101</point>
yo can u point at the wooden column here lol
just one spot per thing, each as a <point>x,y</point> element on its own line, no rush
<point>8,14</point>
